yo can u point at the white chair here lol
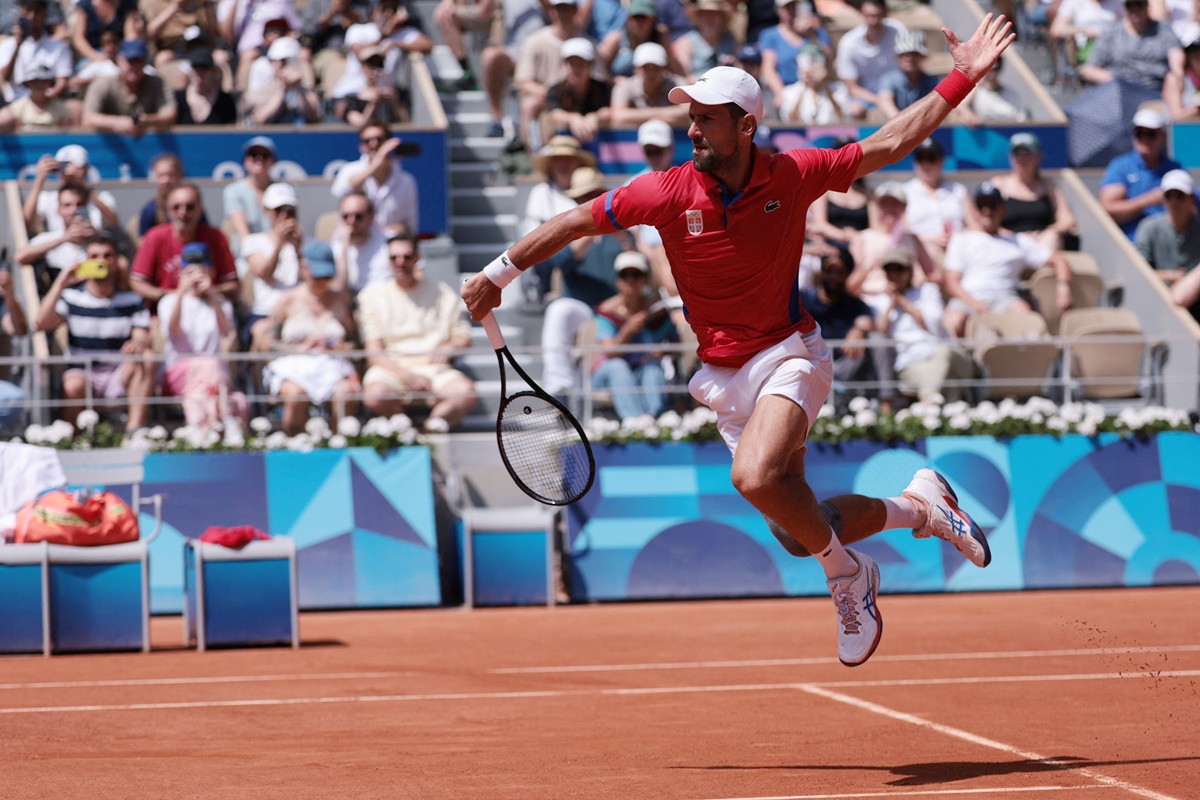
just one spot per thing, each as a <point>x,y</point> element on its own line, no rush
<point>241,596</point>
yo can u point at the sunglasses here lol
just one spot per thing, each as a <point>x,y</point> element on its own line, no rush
<point>183,207</point>
<point>374,139</point>
<point>630,274</point>
<point>896,268</point>
<point>653,152</point>
<point>286,211</point>
<point>355,216</point>
<point>1145,133</point>
<point>259,155</point>
<point>987,205</point>
<point>403,257</point>
<point>927,158</point>
<point>1176,196</point>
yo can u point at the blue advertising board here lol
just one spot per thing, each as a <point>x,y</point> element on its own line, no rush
<point>217,154</point>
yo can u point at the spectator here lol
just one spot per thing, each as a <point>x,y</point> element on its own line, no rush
<point>578,104</point>
<point>325,25</point>
<point>644,96</point>
<point>909,82</point>
<point>841,315</point>
<point>1137,49</point>
<point>101,319</point>
<point>1170,242</point>
<point>937,208</point>
<point>522,18</point>
<point>377,174</point>
<point>32,44</point>
<point>110,49</point>
<point>1186,293</point>
<point>814,99</point>
<point>1078,24</point>
<point>359,245</point>
<point>617,48</point>
<point>71,162</point>
<point>380,99</point>
<point>61,246</point>
<point>274,260</point>
<point>633,316</point>
<point>912,317</point>
<point>10,13</point>
<point>866,53</point>
<point>603,18</point>
<point>887,229</point>
<point>992,102</point>
<point>37,111</point>
<point>1181,15</point>
<point>167,25</point>
<point>455,19</point>
<point>195,318</point>
<point>391,32</point>
<point>984,267</point>
<point>130,102</point>
<point>166,170</point>
<point>657,140</point>
<point>799,28</point>
<point>244,23</point>
<point>1181,90</point>
<point>540,64</point>
<point>309,324</point>
<point>709,44</point>
<point>1034,203</point>
<point>413,325</point>
<point>261,71</point>
<point>555,162</point>
<point>242,199</point>
<point>12,323</point>
<point>286,98</point>
<point>204,102</point>
<point>837,217</point>
<point>749,60</point>
<point>1130,189</point>
<point>159,262</point>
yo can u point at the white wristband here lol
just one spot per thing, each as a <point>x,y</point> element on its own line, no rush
<point>502,271</point>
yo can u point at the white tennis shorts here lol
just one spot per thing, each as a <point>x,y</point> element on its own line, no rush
<point>798,368</point>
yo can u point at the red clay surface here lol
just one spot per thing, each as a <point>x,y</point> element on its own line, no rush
<point>1087,694</point>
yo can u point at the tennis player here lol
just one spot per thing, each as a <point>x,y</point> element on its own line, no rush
<point>732,223</point>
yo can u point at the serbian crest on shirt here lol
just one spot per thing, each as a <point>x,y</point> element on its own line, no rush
<point>695,221</point>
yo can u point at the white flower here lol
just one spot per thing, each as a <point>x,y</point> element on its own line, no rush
<point>182,432</point>
<point>232,424</point>
<point>87,419</point>
<point>826,412</point>
<point>1058,424</point>
<point>399,423</point>
<point>638,424</point>
<point>847,421</point>
<point>317,428</point>
<point>409,436</point>
<point>260,425</point>
<point>349,426</point>
<point>955,409</point>
<point>902,415</point>
<point>233,438</point>
<point>858,404</point>
<point>932,423</point>
<point>277,441</point>
<point>960,422</point>
<point>35,434</point>
<point>436,425</point>
<point>157,433</point>
<point>651,432</point>
<point>937,399</point>
<point>58,431</point>
<point>866,417</point>
<point>139,443</point>
<point>1087,427</point>
<point>300,443</point>
<point>670,420</point>
<point>377,426</point>
<point>337,441</point>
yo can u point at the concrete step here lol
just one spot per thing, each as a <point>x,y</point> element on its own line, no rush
<point>474,102</point>
<point>492,229</point>
<point>475,124</point>
<point>486,200</point>
<point>472,256</point>
<point>471,174</point>
<point>476,148</point>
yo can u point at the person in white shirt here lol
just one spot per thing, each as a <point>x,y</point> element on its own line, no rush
<point>32,45</point>
<point>984,267</point>
<point>73,165</point>
<point>937,208</point>
<point>556,161</point>
<point>359,246</point>
<point>378,174</point>
<point>63,247</point>
<point>273,257</point>
<point>866,53</point>
<point>390,32</point>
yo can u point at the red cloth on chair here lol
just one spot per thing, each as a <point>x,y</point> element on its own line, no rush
<point>236,537</point>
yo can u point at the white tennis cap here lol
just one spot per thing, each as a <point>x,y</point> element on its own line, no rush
<point>278,195</point>
<point>579,48</point>
<point>649,53</point>
<point>1179,180</point>
<point>721,85</point>
<point>284,48</point>
<point>655,133</point>
<point>73,154</point>
<point>1149,118</point>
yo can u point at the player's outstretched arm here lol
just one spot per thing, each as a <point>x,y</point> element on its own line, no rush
<point>973,59</point>
<point>481,292</point>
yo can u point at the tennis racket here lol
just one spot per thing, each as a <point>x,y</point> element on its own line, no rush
<point>543,447</point>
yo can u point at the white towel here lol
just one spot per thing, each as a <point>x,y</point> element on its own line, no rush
<point>25,472</point>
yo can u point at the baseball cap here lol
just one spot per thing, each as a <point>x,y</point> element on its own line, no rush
<point>574,3</point>
<point>38,72</point>
<point>1178,180</point>
<point>892,189</point>
<point>265,142</point>
<point>897,255</point>
<point>642,8</point>
<point>319,256</point>
<point>133,49</point>
<point>73,154</point>
<point>195,253</point>
<point>1149,118</point>
<point>988,191</point>
<point>631,259</point>
<point>283,49</point>
<point>930,147</point>
<point>579,48</point>
<point>278,195</point>
<point>721,85</point>
<point>749,54</point>
<point>372,53</point>
<point>1026,141</point>
<point>911,42</point>
<point>584,181</point>
<point>649,53</point>
<point>655,133</point>
<point>202,59</point>
<point>278,22</point>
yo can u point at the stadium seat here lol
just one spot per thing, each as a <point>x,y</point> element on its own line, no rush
<point>1101,367</point>
<point>1087,289</point>
<point>1013,353</point>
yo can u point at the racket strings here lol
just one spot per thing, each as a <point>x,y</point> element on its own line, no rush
<point>543,448</point>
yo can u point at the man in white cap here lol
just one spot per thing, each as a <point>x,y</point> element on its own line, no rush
<point>72,164</point>
<point>1170,242</point>
<point>286,97</point>
<point>1130,189</point>
<point>733,224</point>
<point>578,104</point>
<point>909,82</point>
<point>645,96</point>
<point>274,259</point>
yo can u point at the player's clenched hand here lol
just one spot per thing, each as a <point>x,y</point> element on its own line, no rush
<point>480,295</point>
<point>978,55</point>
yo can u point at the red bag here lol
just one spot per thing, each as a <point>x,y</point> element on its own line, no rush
<point>236,537</point>
<point>76,518</point>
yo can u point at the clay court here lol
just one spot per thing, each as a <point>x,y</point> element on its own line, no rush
<point>1082,694</point>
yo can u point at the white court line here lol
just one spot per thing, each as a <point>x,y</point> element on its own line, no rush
<point>957,733</point>
<point>400,698</point>
<point>923,793</point>
<point>801,662</point>
<point>329,676</point>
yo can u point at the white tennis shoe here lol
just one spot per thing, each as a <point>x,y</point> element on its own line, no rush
<point>859,622</point>
<point>944,519</point>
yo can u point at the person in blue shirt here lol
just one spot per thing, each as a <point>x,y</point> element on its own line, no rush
<point>907,84</point>
<point>1130,190</point>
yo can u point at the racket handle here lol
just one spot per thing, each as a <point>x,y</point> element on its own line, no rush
<point>492,328</point>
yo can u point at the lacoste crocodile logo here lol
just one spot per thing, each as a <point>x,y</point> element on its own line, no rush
<point>772,205</point>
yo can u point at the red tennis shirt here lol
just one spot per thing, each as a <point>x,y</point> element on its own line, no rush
<point>735,258</point>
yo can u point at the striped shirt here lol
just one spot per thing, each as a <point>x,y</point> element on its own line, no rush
<point>100,324</point>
